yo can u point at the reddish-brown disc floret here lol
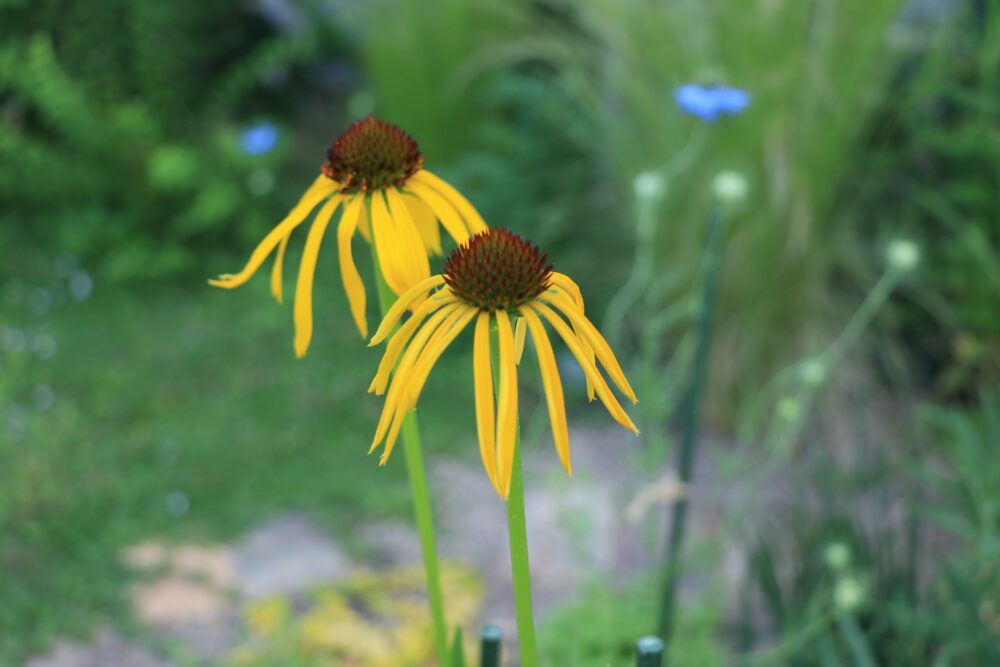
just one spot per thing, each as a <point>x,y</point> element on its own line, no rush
<point>497,270</point>
<point>372,155</point>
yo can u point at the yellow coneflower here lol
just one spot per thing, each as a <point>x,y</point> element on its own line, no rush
<point>499,280</point>
<point>374,174</point>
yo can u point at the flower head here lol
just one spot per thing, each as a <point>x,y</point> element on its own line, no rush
<point>505,285</point>
<point>374,178</point>
<point>710,102</point>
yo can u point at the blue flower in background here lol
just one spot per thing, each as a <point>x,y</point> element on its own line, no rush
<point>259,139</point>
<point>709,102</point>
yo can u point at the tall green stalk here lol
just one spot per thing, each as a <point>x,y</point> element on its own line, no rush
<point>517,531</point>
<point>421,499</point>
<point>690,416</point>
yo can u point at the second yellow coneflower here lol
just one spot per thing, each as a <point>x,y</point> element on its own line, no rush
<point>374,174</point>
<point>501,282</point>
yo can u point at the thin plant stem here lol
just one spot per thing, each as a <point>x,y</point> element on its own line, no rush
<point>519,565</point>
<point>689,435</point>
<point>517,531</point>
<point>417,473</point>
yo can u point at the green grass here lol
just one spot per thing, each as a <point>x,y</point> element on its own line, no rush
<point>192,392</point>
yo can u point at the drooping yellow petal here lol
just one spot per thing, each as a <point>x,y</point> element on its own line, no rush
<point>364,227</point>
<point>445,212</point>
<point>321,188</point>
<point>307,271</point>
<point>409,357</point>
<point>277,272</point>
<point>569,285</point>
<point>426,223</point>
<point>414,382</point>
<point>485,418</point>
<point>584,328</point>
<point>400,306</point>
<point>507,409</point>
<point>553,387</point>
<point>387,247</point>
<point>561,280</point>
<point>573,343</point>
<point>418,267</point>
<point>461,204</point>
<point>422,367</point>
<point>399,340</point>
<point>520,334</point>
<point>353,285</point>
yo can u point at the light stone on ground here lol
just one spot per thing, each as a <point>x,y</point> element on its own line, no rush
<point>287,555</point>
<point>579,530</point>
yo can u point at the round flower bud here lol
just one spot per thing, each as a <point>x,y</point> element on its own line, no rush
<point>848,594</point>
<point>789,409</point>
<point>648,185</point>
<point>730,187</point>
<point>813,372</point>
<point>903,255</point>
<point>837,556</point>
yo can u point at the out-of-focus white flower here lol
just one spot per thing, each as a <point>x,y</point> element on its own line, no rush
<point>903,254</point>
<point>813,372</point>
<point>648,185</point>
<point>789,409</point>
<point>848,594</point>
<point>730,187</point>
<point>837,556</point>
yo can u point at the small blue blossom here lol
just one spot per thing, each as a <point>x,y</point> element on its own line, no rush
<point>709,102</point>
<point>259,139</point>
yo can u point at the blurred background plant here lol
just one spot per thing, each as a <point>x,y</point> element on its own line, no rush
<point>145,146</point>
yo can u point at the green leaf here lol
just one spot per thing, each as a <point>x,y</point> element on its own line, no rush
<point>457,650</point>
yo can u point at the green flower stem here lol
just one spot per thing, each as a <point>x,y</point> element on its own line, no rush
<point>517,531</point>
<point>519,566</point>
<point>689,426</point>
<point>421,499</point>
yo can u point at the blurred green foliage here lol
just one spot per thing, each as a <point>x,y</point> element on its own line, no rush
<point>936,176</point>
<point>119,139</point>
<point>815,71</point>
<point>128,414</point>
<point>839,583</point>
<point>124,416</point>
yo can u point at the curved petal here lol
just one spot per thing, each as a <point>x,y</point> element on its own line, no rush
<point>507,409</point>
<point>485,417</point>
<point>418,267</point>
<point>353,285</point>
<point>573,343</point>
<point>321,188</point>
<point>277,272</point>
<point>461,204</point>
<point>400,306</point>
<point>583,327</point>
<point>414,382</point>
<point>520,334</point>
<point>426,223</point>
<point>387,247</point>
<point>307,271</point>
<point>450,219</point>
<point>399,378</point>
<point>570,287</point>
<point>553,387</point>
<point>402,337</point>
